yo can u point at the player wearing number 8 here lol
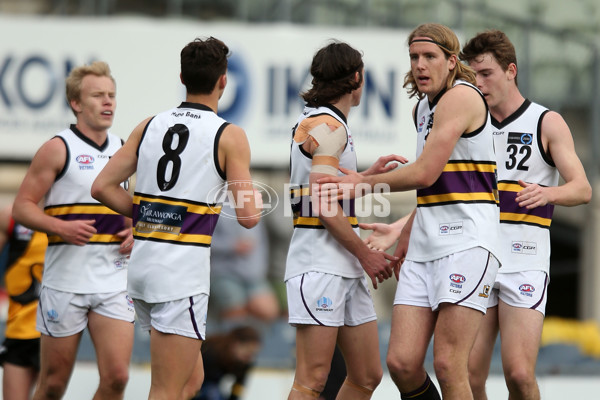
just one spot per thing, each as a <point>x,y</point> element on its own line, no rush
<point>181,156</point>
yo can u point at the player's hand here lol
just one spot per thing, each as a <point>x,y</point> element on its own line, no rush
<point>78,232</point>
<point>400,254</point>
<point>385,164</point>
<point>127,241</point>
<point>335,188</point>
<point>377,265</point>
<point>532,195</point>
<point>383,237</point>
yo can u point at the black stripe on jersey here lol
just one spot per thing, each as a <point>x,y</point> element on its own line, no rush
<point>137,151</point>
<point>65,167</point>
<point>195,106</point>
<point>545,155</point>
<point>89,141</point>
<point>513,116</point>
<point>445,203</point>
<point>87,244</point>
<point>487,113</point>
<point>216,151</point>
<point>150,239</point>
<point>309,226</point>
<point>316,226</point>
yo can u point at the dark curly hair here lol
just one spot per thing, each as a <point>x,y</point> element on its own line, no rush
<point>333,69</point>
<point>202,63</point>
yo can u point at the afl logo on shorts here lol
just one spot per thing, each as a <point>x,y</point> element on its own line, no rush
<point>527,288</point>
<point>457,278</point>
<point>84,159</point>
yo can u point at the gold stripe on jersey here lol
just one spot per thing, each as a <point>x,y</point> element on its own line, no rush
<point>457,197</point>
<point>78,209</point>
<point>525,218</point>
<point>509,187</point>
<point>191,207</point>
<point>169,237</point>
<point>470,166</point>
<point>95,239</point>
<point>298,192</point>
<point>316,222</point>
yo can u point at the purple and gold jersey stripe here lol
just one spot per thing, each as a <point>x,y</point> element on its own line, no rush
<point>315,222</point>
<point>107,222</point>
<point>176,221</point>
<point>304,217</point>
<point>462,182</point>
<point>511,213</point>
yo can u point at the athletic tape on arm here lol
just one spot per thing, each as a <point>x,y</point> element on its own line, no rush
<point>326,157</point>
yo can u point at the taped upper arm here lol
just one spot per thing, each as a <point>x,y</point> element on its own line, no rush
<point>329,146</point>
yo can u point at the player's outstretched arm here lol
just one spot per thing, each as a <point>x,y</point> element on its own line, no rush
<point>107,187</point>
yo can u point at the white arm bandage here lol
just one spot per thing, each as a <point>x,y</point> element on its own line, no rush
<point>330,146</point>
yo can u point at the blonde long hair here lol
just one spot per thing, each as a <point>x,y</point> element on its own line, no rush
<point>447,41</point>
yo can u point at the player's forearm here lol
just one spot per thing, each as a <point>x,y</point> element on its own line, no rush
<point>29,214</point>
<point>403,179</point>
<point>114,197</point>
<point>341,230</point>
<point>571,194</point>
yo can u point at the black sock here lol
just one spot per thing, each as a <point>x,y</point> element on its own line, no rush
<point>426,391</point>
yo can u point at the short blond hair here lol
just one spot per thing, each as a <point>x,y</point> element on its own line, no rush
<point>73,81</point>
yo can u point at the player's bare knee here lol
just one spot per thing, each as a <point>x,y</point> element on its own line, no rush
<point>399,369</point>
<point>115,382</point>
<point>53,389</point>
<point>444,369</point>
<point>477,381</point>
<point>372,378</point>
<point>520,379</point>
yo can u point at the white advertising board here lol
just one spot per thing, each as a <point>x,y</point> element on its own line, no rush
<point>269,66</point>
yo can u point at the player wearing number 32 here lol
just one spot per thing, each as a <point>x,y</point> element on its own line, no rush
<point>533,146</point>
<point>183,158</point>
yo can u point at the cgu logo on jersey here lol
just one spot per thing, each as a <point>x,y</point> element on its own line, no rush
<point>527,290</point>
<point>524,248</point>
<point>85,161</point>
<point>324,304</point>
<point>456,280</point>
<point>451,228</point>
